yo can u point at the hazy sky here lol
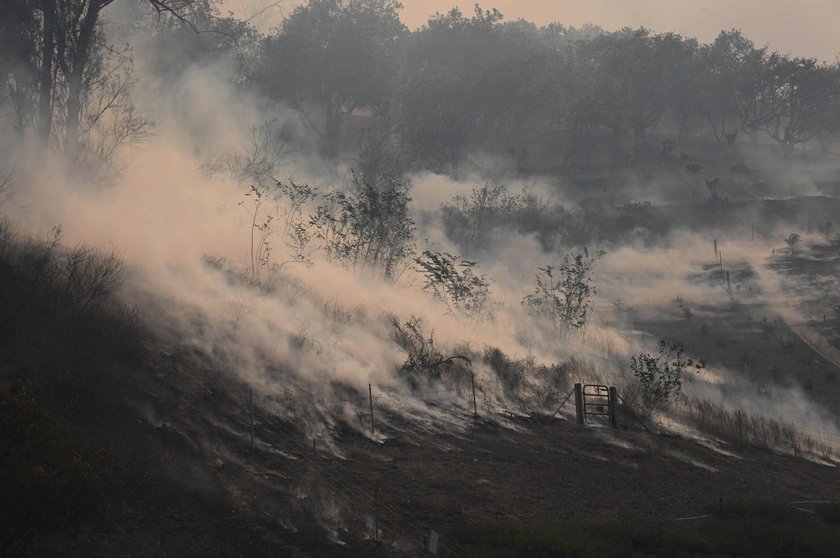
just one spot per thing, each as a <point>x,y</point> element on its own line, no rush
<point>798,27</point>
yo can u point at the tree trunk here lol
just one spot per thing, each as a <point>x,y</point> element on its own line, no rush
<point>332,128</point>
<point>76,80</point>
<point>45,79</point>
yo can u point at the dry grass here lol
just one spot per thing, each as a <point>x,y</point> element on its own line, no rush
<point>63,327</point>
<point>739,427</point>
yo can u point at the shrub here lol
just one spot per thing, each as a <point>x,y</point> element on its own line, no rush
<point>793,240</point>
<point>424,360</point>
<point>660,377</point>
<point>563,294</point>
<point>510,372</point>
<point>453,281</point>
<point>369,227</point>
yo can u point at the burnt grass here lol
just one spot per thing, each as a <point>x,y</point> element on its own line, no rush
<point>749,338</point>
<point>192,486</point>
<point>186,482</point>
<point>754,342</point>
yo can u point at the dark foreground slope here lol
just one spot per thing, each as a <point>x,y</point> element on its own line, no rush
<point>118,443</point>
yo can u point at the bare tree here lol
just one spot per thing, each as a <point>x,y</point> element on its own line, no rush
<point>78,81</point>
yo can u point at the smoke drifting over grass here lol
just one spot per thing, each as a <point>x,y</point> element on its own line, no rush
<point>308,327</point>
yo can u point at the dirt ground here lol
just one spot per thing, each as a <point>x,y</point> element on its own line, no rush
<point>559,473</point>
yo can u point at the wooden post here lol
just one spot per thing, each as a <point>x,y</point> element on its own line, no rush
<point>720,255</point>
<point>376,511</point>
<point>370,393</point>
<point>475,404</point>
<point>433,542</point>
<point>716,252</point>
<point>251,413</point>
<point>612,403</point>
<point>579,414</point>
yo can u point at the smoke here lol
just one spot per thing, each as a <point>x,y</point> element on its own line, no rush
<point>186,237</point>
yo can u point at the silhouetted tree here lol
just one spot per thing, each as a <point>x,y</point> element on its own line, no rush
<point>331,58</point>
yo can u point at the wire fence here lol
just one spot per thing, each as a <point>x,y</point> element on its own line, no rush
<point>394,524</point>
<point>362,494</point>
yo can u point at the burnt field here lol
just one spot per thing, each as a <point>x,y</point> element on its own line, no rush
<point>297,279</point>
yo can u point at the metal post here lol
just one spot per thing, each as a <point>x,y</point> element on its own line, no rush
<point>579,404</point>
<point>433,542</point>
<point>475,404</point>
<point>612,402</point>
<point>370,393</point>
<point>251,413</point>
<point>376,511</point>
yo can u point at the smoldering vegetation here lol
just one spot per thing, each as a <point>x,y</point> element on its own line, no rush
<point>458,221</point>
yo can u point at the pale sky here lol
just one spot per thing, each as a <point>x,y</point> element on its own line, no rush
<point>796,27</point>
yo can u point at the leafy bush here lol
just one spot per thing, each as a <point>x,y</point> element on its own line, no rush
<point>453,281</point>
<point>369,227</point>
<point>512,373</point>
<point>793,240</point>
<point>424,359</point>
<point>660,377</point>
<point>523,377</point>
<point>563,294</point>
<point>470,220</point>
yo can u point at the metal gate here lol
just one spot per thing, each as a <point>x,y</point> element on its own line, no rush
<point>596,400</point>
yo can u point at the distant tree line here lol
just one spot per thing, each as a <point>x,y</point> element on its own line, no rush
<point>462,82</point>
<point>458,83</point>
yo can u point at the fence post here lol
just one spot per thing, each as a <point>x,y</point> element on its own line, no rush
<point>251,413</point>
<point>475,404</point>
<point>612,404</point>
<point>376,511</point>
<point>370,393</point>
<point>433,542</point>
<point>579,404</point>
